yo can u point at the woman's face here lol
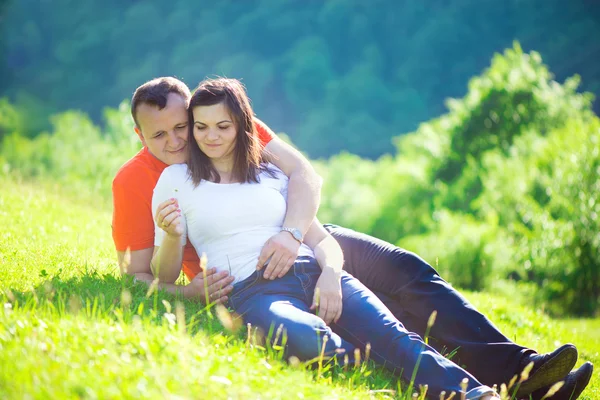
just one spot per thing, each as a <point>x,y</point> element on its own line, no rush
<point>215,131</point>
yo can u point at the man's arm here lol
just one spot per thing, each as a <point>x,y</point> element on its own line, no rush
<point>137,263</point>
<point>304,195</point>
<point>304,187</point>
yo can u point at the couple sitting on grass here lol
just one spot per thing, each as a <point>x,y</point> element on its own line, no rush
<point>211,178</point>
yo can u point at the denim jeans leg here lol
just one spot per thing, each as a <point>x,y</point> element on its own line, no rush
<point>286,302</point>
<point>365,319</point>
<point>412,289</point>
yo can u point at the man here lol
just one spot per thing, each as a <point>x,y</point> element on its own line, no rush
<point>409,286</point>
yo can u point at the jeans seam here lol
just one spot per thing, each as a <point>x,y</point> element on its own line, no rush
<point>236,295</point>
<point>299,276</point>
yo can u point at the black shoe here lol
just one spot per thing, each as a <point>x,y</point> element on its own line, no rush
<point>575,382</point>
<point>547,368</point>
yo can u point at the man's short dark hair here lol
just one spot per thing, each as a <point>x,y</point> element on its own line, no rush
<point>156,91</point>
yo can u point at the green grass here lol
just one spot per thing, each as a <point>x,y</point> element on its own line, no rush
<point>71,327</point>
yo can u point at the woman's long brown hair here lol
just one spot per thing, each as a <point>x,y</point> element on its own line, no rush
<point>247,153</point>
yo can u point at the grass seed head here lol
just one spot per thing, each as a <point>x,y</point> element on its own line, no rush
<point>463,388</point>
<point>126,298</point>
<point>356,357</point>
<point>526,371</point>
<point>230,322</point>
<point>180,315</point>
<point>74,304</point>
<point>552,391</point>
<point>431,320</point>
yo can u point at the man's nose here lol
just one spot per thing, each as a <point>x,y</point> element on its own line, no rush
<point>174,139</point>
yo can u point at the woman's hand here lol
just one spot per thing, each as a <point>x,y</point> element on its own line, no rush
<point>168,217</point>
<point>328,296</point>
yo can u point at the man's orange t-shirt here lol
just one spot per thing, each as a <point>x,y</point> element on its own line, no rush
<point>133,186</point>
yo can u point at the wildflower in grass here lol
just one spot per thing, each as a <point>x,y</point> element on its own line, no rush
<point>152,288</point>
<point>431,319</point>
<point>249,335</point>
<point>230,321</point>
<point>423,391</point>
<point>525,372</point>
<point>357,357</point>
<point>266,364</point>
<point>10,295</point>
<point>170,318</point>
<point>503,391</point>
<point>126,298</point>
<point>552,391</point>
<point>126,261</point>
<point>294,361</point>
<point>203,266</point>
<point>220,379</point>
<point>367,351</point>
<point>321,356</point>
<point>463,388</point>
<point>277,335</point>
<point>180,314</point>
<point>167,305</point>
<point>74,304</point>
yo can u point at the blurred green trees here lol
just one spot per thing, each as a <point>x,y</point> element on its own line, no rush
<point>503,185</point>
<point>339,75</point>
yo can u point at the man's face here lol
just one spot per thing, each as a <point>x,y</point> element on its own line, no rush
<point>165,131</point>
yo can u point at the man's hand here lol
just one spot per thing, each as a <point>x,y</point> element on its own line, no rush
<point>328,296</point>
<point>218,286</point>
<point>168,217</point>
<point>280,252</point>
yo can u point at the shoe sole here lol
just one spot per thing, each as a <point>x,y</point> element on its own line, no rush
<point>553,370</point>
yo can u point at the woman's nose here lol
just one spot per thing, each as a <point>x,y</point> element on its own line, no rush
<point>213,134</point>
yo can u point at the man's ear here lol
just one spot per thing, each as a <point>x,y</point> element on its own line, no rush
<point>139,133</point>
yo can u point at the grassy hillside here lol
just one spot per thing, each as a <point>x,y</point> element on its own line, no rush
<point>72,328</point>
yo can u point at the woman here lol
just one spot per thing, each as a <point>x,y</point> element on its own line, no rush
<point>229,200</point>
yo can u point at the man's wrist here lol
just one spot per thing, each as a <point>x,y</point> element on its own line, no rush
<point>295,232</point>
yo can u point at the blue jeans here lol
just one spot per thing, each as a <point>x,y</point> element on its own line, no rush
<point>411,289</point>
<point>286,301</point>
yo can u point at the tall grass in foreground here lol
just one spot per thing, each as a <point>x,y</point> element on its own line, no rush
<point>71,327</point>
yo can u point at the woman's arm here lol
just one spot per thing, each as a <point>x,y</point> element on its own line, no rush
<point>328,291</point>
<point>167,258</point>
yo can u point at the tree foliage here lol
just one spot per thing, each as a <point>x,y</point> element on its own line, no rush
<point>336,75</point>
<point>503,185</point>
